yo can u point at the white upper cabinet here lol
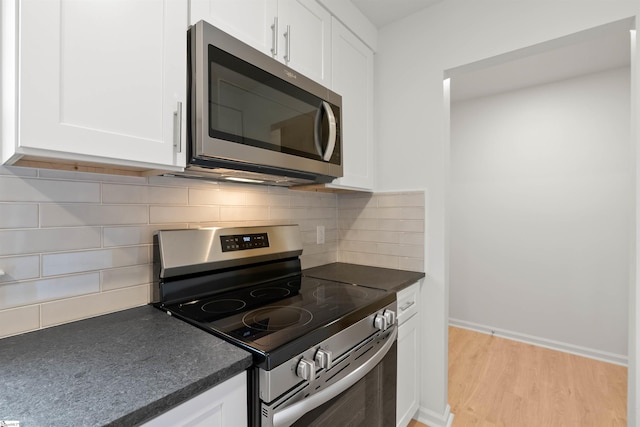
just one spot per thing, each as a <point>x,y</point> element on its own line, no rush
<point>101,81</point>
<point>247,20</point>
<point>295,32</point>
<point>353,79</point>
<point>304,38</point>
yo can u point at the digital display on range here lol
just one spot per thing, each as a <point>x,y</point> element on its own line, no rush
<point>241,242</point>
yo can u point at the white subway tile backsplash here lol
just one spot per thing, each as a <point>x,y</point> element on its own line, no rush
<point>143,194</point>
<point>412,239</point>
<point>402,212</point>
<point>369,213</point>
<point>134,235</point>
<point>359,224</point>
<point>19,320</point>
<point>412,264</point>
<point>358,246</point>
<point>243,213</point>
<point>401,250</point>
<point>37,291</point>
<point>314,260</point>
<point>276,214</point>
<point>313,200</point>
<point>116,278</point>
<point>14,242</point>
<point>14,215</point>
<point>268,199</point>
<point>19,268</point>
<point>370,236</point>
<point>407,225</point>
<point>76,244</point>
<point>82,307</point>
<point>14,189</point>
<point>400,199</point>
<point>384,229</point>
<point>374,260</point>
<point>356,202</point>
<point>77,262</point>
<point>181,214</point>
<point>204,196</point>
<point>70,215</point>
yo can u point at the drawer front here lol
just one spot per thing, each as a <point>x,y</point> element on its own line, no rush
<point>408,302</point>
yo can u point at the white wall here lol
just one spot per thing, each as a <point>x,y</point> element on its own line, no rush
<point>411,59</point>
<point>541,203</point>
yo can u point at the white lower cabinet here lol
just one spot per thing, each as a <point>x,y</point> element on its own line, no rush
<point>295,32</point>
<point>221,406</point>
<point>408,387</point>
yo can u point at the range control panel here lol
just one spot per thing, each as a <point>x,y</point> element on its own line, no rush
<point>241,242</point>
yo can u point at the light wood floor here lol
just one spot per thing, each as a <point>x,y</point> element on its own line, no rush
<point>499,382</point>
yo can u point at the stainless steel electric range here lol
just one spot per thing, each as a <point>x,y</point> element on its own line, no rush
<point>324,352</point>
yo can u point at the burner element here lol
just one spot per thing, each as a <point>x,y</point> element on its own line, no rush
<point>270,293</point>
<point>277,318</point>
<point>223,306</point>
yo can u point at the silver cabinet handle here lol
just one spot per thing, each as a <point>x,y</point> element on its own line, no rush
<point>177,127</point>
<point>274,40</point>
<point>407,305</point>
<point>287,416</point>
<point>331,140</point>
<point>287,35</point>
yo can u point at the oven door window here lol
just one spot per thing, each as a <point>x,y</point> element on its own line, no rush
<point>250,106</point>
<point>370,402</point>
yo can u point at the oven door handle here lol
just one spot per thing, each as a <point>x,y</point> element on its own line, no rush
<point>287,416</point>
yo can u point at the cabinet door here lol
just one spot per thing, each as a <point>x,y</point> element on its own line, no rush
<point>408,371</point>
<point>304,38</point>
<point>353,79</point>
<point>247,20</point>
<point>101,80</point>
<point>223,405</point>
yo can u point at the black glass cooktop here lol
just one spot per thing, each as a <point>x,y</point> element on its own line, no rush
<point>267,317</point>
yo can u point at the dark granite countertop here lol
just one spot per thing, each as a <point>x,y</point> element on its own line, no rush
<point>375,277</point>
<point>119,369</point>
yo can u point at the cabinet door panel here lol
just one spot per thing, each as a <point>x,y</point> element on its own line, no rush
<point>353,79</point>
<point>246,20</point>
<point>408,371</point>
<point>308,49</point>
<point>102,78</point>
<point>221,406</point>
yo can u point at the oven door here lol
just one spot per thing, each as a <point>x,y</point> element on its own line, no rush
<point>369,402</point>
<point>365,396</point>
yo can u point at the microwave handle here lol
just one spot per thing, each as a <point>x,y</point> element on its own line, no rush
<point>331,140</point>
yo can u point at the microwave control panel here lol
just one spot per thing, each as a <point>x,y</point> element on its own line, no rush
<point>241,242</point>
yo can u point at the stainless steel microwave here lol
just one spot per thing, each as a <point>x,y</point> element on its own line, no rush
<point>252,119</point>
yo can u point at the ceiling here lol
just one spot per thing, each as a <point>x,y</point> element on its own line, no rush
<point>591,54</point>
<point>595,50</point>
<point>383,12</point>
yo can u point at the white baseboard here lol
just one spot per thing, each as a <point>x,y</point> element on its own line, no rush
<point>617,359</point>
<point>433,419</point>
